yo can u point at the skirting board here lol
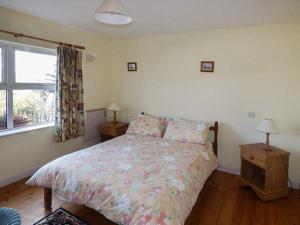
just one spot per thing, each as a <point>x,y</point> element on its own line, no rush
<point>29,173</point>
<point>18,177</point>
<point>229,170</point>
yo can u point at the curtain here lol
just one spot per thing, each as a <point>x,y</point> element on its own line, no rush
<point>69,115</point>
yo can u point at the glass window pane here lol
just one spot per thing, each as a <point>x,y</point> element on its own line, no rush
<point>2,109</point>
<point>35,68</point>
<point>31,107</point>
<point>1,68</point>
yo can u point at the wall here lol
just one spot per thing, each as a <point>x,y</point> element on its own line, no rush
<point>257,70</point>
<point>22,153</point>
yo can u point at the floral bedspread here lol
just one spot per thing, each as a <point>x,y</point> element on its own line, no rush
<point>132,179</point>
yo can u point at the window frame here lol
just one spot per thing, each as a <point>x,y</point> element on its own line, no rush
<point>9,83</point>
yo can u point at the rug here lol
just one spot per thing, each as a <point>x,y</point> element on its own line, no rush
<point>61,217</point>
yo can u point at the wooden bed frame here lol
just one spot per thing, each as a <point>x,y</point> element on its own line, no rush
<point>48,191</point>
<point>215,129</point>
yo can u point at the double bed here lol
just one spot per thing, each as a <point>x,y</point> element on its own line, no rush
<point>132,179</point>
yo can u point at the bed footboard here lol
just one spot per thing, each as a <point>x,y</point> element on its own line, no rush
<point>47,198</point>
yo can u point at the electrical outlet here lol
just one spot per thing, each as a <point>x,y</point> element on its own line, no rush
<point>251,115</point>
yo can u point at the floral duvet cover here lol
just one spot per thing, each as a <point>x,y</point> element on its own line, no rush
<point>132,179</point>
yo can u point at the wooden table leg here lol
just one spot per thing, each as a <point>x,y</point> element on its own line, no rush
<point>47,198</point>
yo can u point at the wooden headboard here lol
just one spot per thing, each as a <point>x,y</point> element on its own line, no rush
<point>215,129</point>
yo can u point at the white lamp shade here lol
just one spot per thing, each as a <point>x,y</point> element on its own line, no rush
<point>112,12</point>
<point>114,107</point>
<point>268,126</point>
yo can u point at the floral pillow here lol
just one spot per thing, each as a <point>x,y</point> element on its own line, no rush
<point>187,131</point>
<point>145,125</point>
<point>163,122</point>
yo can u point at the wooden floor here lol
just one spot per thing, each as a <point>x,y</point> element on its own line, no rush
<point>221,202</point>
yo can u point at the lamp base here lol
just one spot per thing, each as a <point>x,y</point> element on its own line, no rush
<point>115,122</point>
<point>268,148</point>
<point>115,117</point>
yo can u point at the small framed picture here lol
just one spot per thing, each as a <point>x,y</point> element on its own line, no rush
<point>207,66</point>
<point>132,66</point>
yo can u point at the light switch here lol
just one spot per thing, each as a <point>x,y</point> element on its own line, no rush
<point>251,115</point>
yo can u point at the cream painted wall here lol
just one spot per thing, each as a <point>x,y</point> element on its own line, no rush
<point>25,152</point>
<point>257,70</point>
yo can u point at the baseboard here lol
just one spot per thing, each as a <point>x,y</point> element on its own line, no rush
<point>29,173</point>
<point>237,172</point>
<point>229,170</point>
<point>18,177</point>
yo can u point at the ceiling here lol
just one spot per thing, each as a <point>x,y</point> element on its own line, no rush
<point>152,17</point>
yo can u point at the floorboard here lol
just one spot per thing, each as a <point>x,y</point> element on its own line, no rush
<point>221,202</point>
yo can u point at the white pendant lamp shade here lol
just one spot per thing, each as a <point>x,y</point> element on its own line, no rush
<point>112,12</point>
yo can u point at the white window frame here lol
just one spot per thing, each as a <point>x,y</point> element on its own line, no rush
<point>9,77</point>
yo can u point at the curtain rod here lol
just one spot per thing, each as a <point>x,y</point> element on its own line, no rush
<point>40,39</point>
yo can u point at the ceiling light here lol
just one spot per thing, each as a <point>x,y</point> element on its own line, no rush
<point>112,12</point>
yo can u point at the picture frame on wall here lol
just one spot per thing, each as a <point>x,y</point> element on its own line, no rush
<point>132,66</point>
<point>207,66</point>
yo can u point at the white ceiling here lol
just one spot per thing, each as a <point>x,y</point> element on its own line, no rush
<point>152,17</point>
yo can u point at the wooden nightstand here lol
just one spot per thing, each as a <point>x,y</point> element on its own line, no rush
<point>112,129</point>
<point>266,172</point>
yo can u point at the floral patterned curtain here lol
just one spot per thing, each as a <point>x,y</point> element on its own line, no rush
<point>69,116</point>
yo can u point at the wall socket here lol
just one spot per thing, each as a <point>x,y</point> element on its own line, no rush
<point>251,115</point>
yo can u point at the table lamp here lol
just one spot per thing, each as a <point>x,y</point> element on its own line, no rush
<point>268,126</point>
<point>115,108</point>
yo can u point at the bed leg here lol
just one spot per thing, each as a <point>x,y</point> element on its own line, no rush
<point>47,198</point>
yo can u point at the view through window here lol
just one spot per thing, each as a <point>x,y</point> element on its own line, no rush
<point>2,96</point>
<point>2,110</point>
<point>27,86</point>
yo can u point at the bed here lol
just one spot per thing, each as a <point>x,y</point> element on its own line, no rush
<point>132,179</point>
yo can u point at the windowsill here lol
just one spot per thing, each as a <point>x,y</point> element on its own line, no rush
<point>5,133</point>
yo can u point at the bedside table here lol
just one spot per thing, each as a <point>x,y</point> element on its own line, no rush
<point>266,172</point>
<point>112,129</point>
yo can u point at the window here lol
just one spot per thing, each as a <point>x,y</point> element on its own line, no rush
<point>27,85</point>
